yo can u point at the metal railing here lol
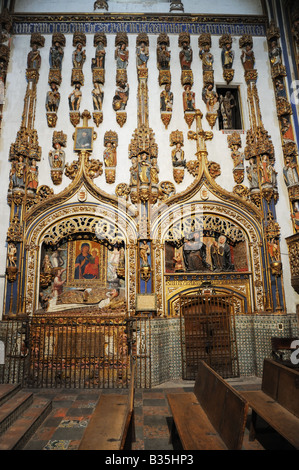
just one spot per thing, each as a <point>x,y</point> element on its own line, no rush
<point>76,352</point>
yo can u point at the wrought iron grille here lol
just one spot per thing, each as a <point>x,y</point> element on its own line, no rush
<point>76,352</point>
<point>208,333</point>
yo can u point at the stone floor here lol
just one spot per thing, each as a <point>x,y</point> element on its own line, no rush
<point>72,409</point>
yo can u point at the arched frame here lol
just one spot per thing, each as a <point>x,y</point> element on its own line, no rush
<point>235,215</point>
<point>56,224</point>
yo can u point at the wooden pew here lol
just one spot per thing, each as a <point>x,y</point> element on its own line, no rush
<point>277,403</point>
<point>111,426</point>
<point>212,417</point>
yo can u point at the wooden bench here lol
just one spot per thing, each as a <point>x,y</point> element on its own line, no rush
<point>212,417</point>
<point>277,403</point>
<point>111,426</point>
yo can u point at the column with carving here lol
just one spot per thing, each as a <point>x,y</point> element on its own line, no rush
<point>77,78</point>
<point>23,191</point>
<point>186,58</point>
<point>98,76</point>
<point>209,95</point>
<point>121,96</point>
<point>163,64</point>
<point>55,77</point>
<point>5,42</point>
<point>262,176</point>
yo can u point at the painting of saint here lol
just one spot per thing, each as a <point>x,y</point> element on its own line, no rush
<point>87,263</point>
<point>83,139</point>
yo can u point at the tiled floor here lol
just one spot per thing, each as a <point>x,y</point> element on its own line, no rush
<point>72,409</point>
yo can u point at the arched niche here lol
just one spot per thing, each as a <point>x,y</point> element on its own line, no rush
<point>68,228</point>
<point>212,219</point>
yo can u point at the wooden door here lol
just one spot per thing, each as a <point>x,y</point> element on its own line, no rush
<point>208,333</point>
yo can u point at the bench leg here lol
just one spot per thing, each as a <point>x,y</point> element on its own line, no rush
<point>252,430</point>
<point>173,432</point>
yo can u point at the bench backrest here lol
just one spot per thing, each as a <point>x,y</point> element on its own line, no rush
<point>281,383</point>
<point>225,408</point>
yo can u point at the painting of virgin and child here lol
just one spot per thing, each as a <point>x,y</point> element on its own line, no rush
<point>87,262</point>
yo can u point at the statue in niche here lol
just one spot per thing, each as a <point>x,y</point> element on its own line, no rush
<point>53,98</point>
<point>110,155</point>
<point>75,98</point>
<point>287,129</point>
<point>227,109</point>
<point>97,97</point>
<point>121,97</point>
<point>122,56</point>
<point>290,172</point>
<point>144,251</point>
<point>12,255</point>
<point>247,57</point>
<point>195,253</point>
<point>144,168</point>
<point>166,99</point>
<point>56,56</point>
<point>142,53</point>
<point>238,157</point>
<point>267,172</point>
<point>178,156</point>
<point>134,172</point>
<point>295,215</point>
<point>100,56</point>
<point>252,174</point>
<point>221,255</point>
<point>211,99</point>
<point>275,53</point>
<point>207,58</point>
<point>34,58</point>
<point>57,157</point>
<point>227,55</point>
<point>163,57</point>
<point>18,173</point>
<point>79,56</point>
<point>32,176</point>
<point>186,54</point>
<point>188,98</point>
<point>280,91</point>
<point>154,171</point>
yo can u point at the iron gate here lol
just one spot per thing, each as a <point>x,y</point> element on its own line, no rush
<point>208,333</point>
<point>76,352</point>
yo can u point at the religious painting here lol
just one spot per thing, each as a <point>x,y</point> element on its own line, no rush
<point>198,252</point>
<point>83,138</point>
<point>85,259</point>
<point>82,273</point>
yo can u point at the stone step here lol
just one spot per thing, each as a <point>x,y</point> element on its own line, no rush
<point>7,391</point>
<point>13,408</point>
<point>19,433</point>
